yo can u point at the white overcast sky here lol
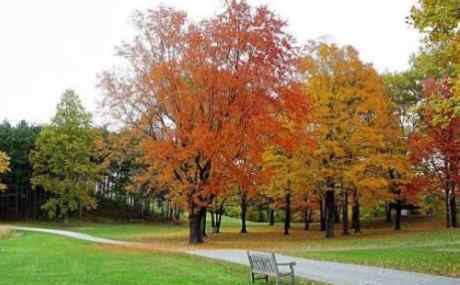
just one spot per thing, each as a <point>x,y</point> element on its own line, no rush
<point>50,45</point>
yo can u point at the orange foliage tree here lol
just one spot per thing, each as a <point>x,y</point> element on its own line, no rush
<point>206,98</point>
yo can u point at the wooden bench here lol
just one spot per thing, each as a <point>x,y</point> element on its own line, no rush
<point>264,265</point>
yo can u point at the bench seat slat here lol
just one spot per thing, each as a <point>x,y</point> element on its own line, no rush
<point>265,264</point>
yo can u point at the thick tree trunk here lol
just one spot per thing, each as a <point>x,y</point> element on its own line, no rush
<point>271,215</point>
<point>244,208</point>
<point>345,230</point>
<point>203,221</point>
<point>195,227</point>
<point>322,216</point>
<point>355,215</point>
<point>287,214</point>
<point>451,206</point>
<point>388,212</point>
<point>330,213</point>
<point>453,210</point>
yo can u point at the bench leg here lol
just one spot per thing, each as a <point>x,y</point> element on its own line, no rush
<point>292,279</point>
<point>253,279</point>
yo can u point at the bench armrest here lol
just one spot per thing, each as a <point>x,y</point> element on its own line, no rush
<point>286,264</point>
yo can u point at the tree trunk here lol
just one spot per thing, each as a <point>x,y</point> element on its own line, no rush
<point>162,208</point>
<point>219,214</point>
<point>213,221</point>
<point>171,213</point>
<point>355,215</point>
<point>345,230</point>
<point>203,222</point>
<point>337,214</point>
<point>453,210</point>
<point>271,215</point>
<point>388,212</point>
<point>448,208</point>
<point>177,215</point>
<point>397,224</point>
<point>306,218</point>
<point>451,206</point>
<point>287,214</point>
<point>195,224</point>
<point>330,213</point>
<point>244,208</point>
<point>322,217</point>
<point>166,212</point>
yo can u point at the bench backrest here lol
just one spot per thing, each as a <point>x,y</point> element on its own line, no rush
<point>264,263</point>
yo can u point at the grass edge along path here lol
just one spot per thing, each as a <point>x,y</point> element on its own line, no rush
<point>41,258</point>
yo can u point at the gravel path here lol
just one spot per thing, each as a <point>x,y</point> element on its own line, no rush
<point>328,272</point>
<point>338,273</point>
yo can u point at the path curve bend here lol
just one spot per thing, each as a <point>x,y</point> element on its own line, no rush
<point>323,271</point>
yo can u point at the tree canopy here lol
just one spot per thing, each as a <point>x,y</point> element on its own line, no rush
<point>63,159</point>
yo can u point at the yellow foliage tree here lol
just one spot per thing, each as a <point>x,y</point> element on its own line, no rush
<point>292,182</point>
<point>358,137</point>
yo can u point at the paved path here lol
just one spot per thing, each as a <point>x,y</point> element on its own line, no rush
<point>75,235</point>
<point>328,272</point>
<point>338,273</point>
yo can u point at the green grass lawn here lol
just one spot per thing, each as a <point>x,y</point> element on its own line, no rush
<point>32,258</point>
<point>436,252</point>
<point>422,245</point>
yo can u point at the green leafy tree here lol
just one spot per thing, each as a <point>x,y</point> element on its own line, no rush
<point>17,141</point>
<point>63,161</point>
<point>439,22</point>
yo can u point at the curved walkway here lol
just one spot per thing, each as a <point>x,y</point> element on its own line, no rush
<point>74,235</point>
<point>338,273</point>
<point>323,271</point>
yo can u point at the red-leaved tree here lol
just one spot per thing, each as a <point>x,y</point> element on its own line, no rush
<point>435,146</point>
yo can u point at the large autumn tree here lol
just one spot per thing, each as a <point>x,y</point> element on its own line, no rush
<point>435,144</point>
<point>358,136</point>
<point>63,159</point>
<point>205,98</point>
